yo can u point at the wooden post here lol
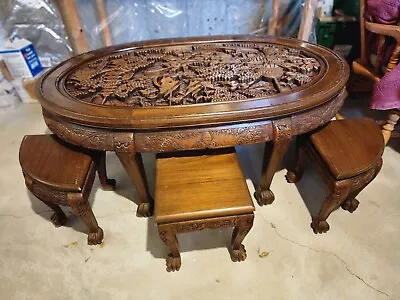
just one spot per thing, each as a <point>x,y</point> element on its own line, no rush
<point>391,122</point>
<point>105,28</point>
<point>273,22</point>
<point>307,20</point>
<point>364,58</point>
<point>73,26</point>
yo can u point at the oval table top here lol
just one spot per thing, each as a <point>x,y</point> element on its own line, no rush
<point>186,82</point>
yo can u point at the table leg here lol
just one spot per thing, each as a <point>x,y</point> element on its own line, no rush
<point>273,155</point>
<point>133,165</point>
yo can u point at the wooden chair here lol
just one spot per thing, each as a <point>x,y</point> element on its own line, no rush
<point>348,154</point>
<point>194,192</point>
<point>363,66</point>
<point>61,174</point>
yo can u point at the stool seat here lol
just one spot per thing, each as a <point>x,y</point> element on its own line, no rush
<point>200,186</point>
<point>61,174</point>
<point>47,160</point>
<point>198,190</point>
<point>348,155</point>
<point>349,148</point>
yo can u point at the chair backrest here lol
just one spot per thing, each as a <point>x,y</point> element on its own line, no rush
<point>382,32</point>
<point>364,58</point>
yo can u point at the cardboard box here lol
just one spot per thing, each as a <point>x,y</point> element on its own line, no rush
<point>21,59</point>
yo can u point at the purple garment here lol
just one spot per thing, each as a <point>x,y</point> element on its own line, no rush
<point>383,11</point>
<point>386,93</point>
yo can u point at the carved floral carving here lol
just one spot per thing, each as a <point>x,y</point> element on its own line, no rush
<point>190,74</point>
<point>90,138</point>
<point>190,139</point>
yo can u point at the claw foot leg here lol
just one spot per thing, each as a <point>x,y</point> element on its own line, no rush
<point>350,205</point>
<point>338,193</point>
<point>264,197</point>
<point>133,164</point>
<point>319,226</point>
<point>173,263</point>
<point>144,210</point>
<point>106,183</point>
<point>273,154</point>
<point>95,238</point>
<point>168,236</point>
<point>241,229</point>
<point>239,254</point>
<point>292,177</point>
<point>58,219</point>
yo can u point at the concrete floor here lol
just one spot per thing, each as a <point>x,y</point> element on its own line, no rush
<point>359,258</point>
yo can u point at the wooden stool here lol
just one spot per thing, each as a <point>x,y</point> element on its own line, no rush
<point>348,154</point>
<point>197,191</point>
<point>61,174</point>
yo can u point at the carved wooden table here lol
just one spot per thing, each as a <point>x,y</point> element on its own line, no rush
<point>196,93</point>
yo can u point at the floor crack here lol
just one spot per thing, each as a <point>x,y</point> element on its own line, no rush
<point>329,253</point>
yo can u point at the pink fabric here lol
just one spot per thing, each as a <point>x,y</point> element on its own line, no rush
<point>383,11</point>
<point>386,93</point>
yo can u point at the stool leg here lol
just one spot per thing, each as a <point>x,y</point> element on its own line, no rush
<point>81,208</point>
<point>295,175</point>
<point>58,218</point>
<point>242,227</point>
<point>168,236</point>
<point>335,198</point>
<point>106,183</point>
<point>351,204</point>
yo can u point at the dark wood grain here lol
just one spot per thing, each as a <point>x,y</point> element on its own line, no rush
<point>54,98</point>
<point>62,174</point>
<point>54,164</point>
<point>200,186</point>
<point>349,147</point>
<point>273,155</point>
<point>348,155</point>
<point>133,164</point>
<point>192,74</point>
<point>82,102</point>
<point>199,190</point>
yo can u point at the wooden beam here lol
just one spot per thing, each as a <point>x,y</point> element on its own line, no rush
<point>73,26</point>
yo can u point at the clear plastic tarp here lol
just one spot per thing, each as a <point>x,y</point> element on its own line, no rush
<point>39,21</point>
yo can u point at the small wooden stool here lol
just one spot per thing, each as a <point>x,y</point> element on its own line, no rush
<point>194,192</point>
<point>348,154</point>
<point>62,174</point>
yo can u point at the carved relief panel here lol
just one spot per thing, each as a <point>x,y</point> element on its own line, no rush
<point>191,74</point>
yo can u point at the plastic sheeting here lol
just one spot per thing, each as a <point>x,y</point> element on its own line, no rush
<point>40,22</point>
<point>37,21</point>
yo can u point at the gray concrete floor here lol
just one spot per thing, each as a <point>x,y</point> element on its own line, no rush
<point>359,258</point>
